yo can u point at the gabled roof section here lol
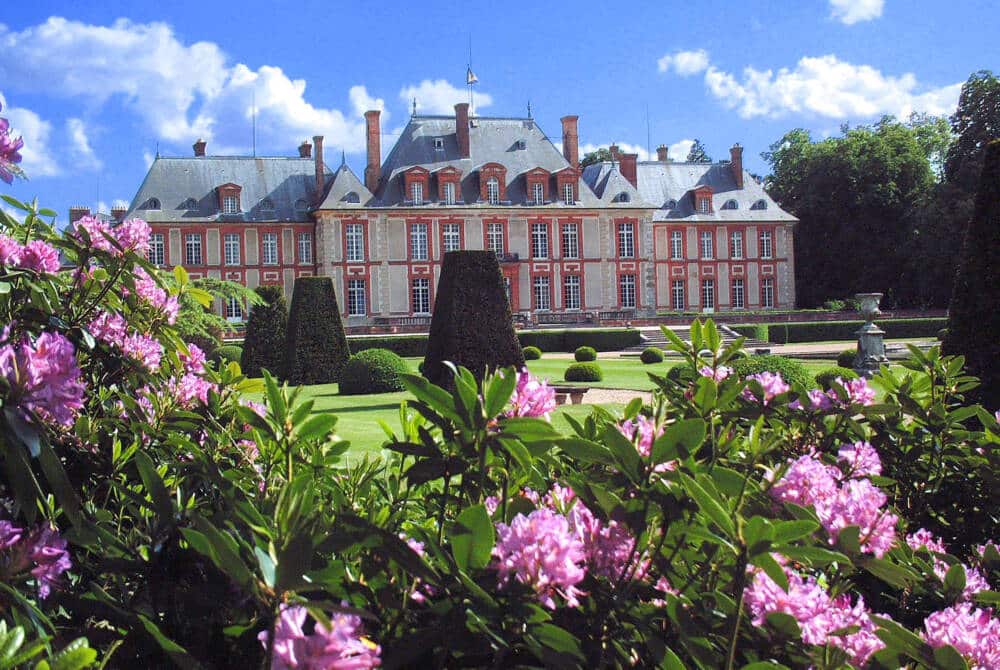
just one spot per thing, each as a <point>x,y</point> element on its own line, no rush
<point>345,191</point>
<point>608,184</point>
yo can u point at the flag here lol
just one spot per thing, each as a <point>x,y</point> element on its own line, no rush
<point>470,77</point>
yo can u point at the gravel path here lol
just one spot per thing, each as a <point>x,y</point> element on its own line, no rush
<point>601,396</point>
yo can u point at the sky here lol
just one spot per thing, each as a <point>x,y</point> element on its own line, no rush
<point>96,89</point>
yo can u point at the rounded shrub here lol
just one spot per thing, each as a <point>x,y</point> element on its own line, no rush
<point>825,378</point>
<point>532,353</point>
<point>227,353</point>
<point>942,334</point>
<point>845,359</point>
<point>651,355</point>
<point>583,372</point>
<point>372,371</point>
<point>791,371</point>
<point>584,354</point>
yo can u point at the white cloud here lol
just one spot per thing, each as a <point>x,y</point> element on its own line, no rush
<point>440,97</point>
<point>82,153</point>
<point>684,63</point>
<point>36,155</point>
<point>147,159</point>
<point>850,12</point>
<point>679,150</point>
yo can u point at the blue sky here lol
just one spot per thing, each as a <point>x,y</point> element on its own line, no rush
<point>96,88</point>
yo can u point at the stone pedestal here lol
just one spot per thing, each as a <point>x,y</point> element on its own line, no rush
<point>871,348</point>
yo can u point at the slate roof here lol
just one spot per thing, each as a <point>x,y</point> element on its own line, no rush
<point>346,191</point>
<point>185,188</point>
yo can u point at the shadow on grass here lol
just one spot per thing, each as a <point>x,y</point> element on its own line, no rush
<point>349,410</point>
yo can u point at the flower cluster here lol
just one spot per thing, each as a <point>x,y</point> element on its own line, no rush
<point>112,329</point>
<point>44,378</point>
<point>43,550</point>
<point>860,459</point>
<point>974,579</point>
<point>532,397</point>
<point>156,297</point>
<point>9,151</point>
<point>341,645</point>
<point>718,374</point>
<point>647,431</point>
<point>855,392</point>
<point>36,255</point>
<point>974,633</point>
<point>770,382</point>
<point>131,235</point>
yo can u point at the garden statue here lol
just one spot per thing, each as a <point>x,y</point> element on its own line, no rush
<point>871,349</point>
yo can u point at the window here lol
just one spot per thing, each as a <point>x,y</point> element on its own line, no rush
<point>676,245</point>
<point>767,292</point>
<point>766,251</point>
<point>626,291</point>
<point>269,249</point>
<point>190,203</point>
<point>626,240</point>
<point>451,237</point>
<point>192,249</point>
<point>494,237</point>
<point>704,205</point>
<point>706,245</point>
<point>439,143</point>
<point>356,297</point>
<point>152,203</point>
<point>421,292</point>
<point>506,287</point>
<point>736,244</point>
<point>231,248</point>
<point>351,197</point>
<point>230,204</point>
<point>540,292</point>
<point>418,241</point>
<point>671,204</point>
<point>567,194</point>
<point>539,240</point>
<point>677,294</point>
<point>266,205</point>
<point>156,249</point>
<point>355,238</point>
<point>301,206</point>
<point>708,293</point>
<point>571,292</point>
<point>493,191</point>
<point>622,197</point>
<point>570,240</point>
<point>449,193</point>
<point>760,204</point>
<point>731,204</point>
<point>234,309</point>
<point>305,248</point>
<point>417,193</point>
<point>537,193</point>
<point>738,301</point>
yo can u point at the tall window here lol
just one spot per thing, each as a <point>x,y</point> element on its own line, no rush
<point>626,240</point>
<point>703,205</point>
<point>449,193</point>
<point>540,291</point>
<point>570,240</point>
<point>417,193</point>
<point>305,248</point>
<point>706,245</point>
<point>451,237</point>
<point>494,237</point>
<point>677,294</point>
<point>355,235</point>
<point>676,245</point>
<point>231,248</point>
<point>708,293</point>
<point>493,191</point>
<point>421,291</point>
<point>192,249</point>
<point>356,297</point>
<point>540,240</point>
<point>626,291</point>
<point>767,292</point>
<point>506,287</point>
<point>418,241</point>
<point>269,249</point>
<point>766,250</point>
<point>567,194</point>
<point>738,298</point>
<point>571,292</point>
<point>230,204</point>
<point>156,249</point>
<point>736,245</point>
<point>537,193</point>
<point>234,309</point>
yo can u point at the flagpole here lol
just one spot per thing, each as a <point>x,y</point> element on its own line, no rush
<point>468,80</point>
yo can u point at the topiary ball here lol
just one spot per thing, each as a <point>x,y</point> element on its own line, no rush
<point>793,372</point>
<point>227,353</point>
<point>373,371</point>
<point>584,354</point>
<point>845,359</point>
<point>651,355</point>
<point>583,372</point>
<point>532,353</point>
<point>825,377</point>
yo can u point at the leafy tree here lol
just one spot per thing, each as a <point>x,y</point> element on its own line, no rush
<point>264,343</point>
<point>975,123</point>
<point>602,155</point>
<point>933,133</point>
<point>198,321</point>
<point>698,153</point>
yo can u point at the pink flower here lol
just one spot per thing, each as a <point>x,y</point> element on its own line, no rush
<point>144,349</point>
<point>974,633</point>
<point>10,250</point>
<point>858,391</point>
<point>109,327</point>
<point>189,388</point>
<point>9,148</point>
<point>720,373</point>
<point>647,431</point>
<point>44,378</point>
<point>806,482</point>
<point>861,460</point>
<point>147,289</point>
<point>259,409</point>
<point>771,383</point>
<point>40,257</point>
<point>97,231</point>
<point>339,647</point>
<point>9,534</point>
<point>133,235</point>
<point>924,539</point>
<point>532,398</point>
<point>981,549</point>
<point>818,400</point>
<point>51,558</point>
<point>194,362</point>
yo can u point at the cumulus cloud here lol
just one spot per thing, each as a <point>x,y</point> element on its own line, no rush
<point>440,97</point>
<point>677,151</point>
<point>36,154</point>
<point>82,153</point>
<point>684,63</point>
<point>850,12</point>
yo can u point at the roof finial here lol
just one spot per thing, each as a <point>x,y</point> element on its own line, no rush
<point>529,109</point>
<point>343,158</point>
<point>414,107</point>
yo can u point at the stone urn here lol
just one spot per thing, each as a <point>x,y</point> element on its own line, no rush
<point>869,305</point>
<point>871,348</point>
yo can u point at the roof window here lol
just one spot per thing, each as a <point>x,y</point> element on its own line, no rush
<point>671,204</point>
<point>731,204</point>
<point>352,197</point>
<point>760,204</point>
<point>521,145</point>
<point>439,143</point>
<point>266,205</point>
<point>301,205</point>
<point>622,197</point>
<point>152,203</point>
<point>190,203</point>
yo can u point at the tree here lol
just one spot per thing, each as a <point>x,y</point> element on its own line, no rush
<point>315,344</point>
<point>264,343</point>
<point>601,155</point>
<point>202,324</point>
<point>974,320</point>
<point>975,123</point>
<point>698,153</point>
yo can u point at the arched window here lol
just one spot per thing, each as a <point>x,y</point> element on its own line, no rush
<point>760,204</point>
<point>622,197</point>
<point>152,203</point>
<point>671,204</point>
<point>190,203</point>
<point>266,205</point>
<point>731,204</point>
<point>301,205</point>
<point>352,197</point>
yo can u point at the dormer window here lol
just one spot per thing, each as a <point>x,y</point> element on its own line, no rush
<point>671,204</point>
<point>449,193</point>
<point>415,185</point>
<point>439,144</point>
<point>536,182</point>
<point>417,193</point>
<point>731,204</point>
<point>189,204</point>
<point>760,204</point>
<point>493,183</point>
<point>449,185</point>
<point>521,145</point>
<point>702,196</point>
<point>493,191</point>
<point>352,197</point>
<point>567,194</point>
<point>230,204</point>
<point>622,197</point>
<point>538,193</point>
<point>566,180</point>
<point>704,205</point>
<point>266,205</point>
<point>301,206</point>
<point>152,203</point>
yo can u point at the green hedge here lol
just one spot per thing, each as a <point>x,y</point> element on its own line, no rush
<point>264,343</point>
<point>373,371</point>
<point>818,331</point>
<point>315,345</point>
<point>825,377</point>
<point>532,353</point>
<point>651,355</point>
<point>226,354</point>
<point>583,372</point>
<point>845,359</point>
<point>791,371</point>
<point>401,345</point>
<point>584,354</point>
<point>612,339</point>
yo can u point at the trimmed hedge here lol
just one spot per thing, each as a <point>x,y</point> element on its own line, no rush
<point>264,342</point>
<point>402,345</point>
<point>790,370</point>
<point>315,345</point>
<point>845,359</point>
<point>569,340</point>
<point>818,331</point>
<point>825,378</point>
<point>227,353</point>
<point>651,355</point>
<point>584,354</point>
<point>373,371</point>
<point>583,372</point>
<point>531,353</point>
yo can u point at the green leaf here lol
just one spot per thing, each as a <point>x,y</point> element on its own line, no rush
<point>266,564</point>
<point>671,661</point>
<point>900,638</point>
<point>25,432</point>
<point>558,639</point>
<point>316,427</point>
<point>710,506</point>
<point>954,580</point>
<point>181,275</point>
<point>75,656</point>
<point>201,296</point>
<point>10,641</point>
<point>585,451</point>
<point>815,556</point>
<point>765,665</point>
<point>472,538</point>
<point>785,624</point>
<point>679,440</point>
<point>895,575</point>
<point>529,429</point>
<point>294,561</point>
<point>771,568</point>
<point>788,531</point>
<point>625,453</point>
<point>948,658</point>
<point>177,653</point>
<point>498,391</point>
<point>59,481</point>
<point>154,484</point>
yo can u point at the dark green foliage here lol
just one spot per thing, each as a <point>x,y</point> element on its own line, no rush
<point>207,342</point>
<point>228,353</point>
<point>584,354</point>
<point>472,324</point>
<point>264,343</point>
<point>602,339</point>
<point>974,317</point>
<point>532,353</point>
<point>651,355</point>
<point>826,377</point>
<point>373,371</point>
<point>404,345</point>
<point>820,331</point>
<point>315,346</point>
<point>790,370</point>
<point>943,333</point>
<point>600,155</point>
<point>698,153</point>
<point>583,372</point>
<point>845,359</point>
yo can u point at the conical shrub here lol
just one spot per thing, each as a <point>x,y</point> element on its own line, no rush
<point>264,342</point>
<point>316,346</point>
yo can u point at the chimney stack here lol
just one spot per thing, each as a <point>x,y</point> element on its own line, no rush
<point>661,153</point>
<point>118,213</point>
<point>305,149</point>
<point>373,170</point>
<point>77,212</point>
<point>462,129</point>
<point>627,167</point>
<point>320,168</point>
<point>571,140</point>
<point>199,147</point>
<point>736,162</point>
<point>616,155</point>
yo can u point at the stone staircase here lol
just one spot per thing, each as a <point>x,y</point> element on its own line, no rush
<point>654,337</point>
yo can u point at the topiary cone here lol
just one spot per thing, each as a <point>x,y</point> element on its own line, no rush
<point>315,346</point>
<point>472,324</point>
<point>264,342</point>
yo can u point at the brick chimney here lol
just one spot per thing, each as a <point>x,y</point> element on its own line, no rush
<point>77,212</point>
<point>305,149</point>
<point>627,167</point>
<point>199,147</point>
<point>571,140</point>
<point>320,168</point>
<point>662,153</point>
<point>616,155</point>
<point>373,134</point>
<point>736,162</point>
<point>118,213</point>
<point>462,129</point>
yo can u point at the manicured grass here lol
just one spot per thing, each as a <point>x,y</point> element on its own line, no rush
<point>619,373</point>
